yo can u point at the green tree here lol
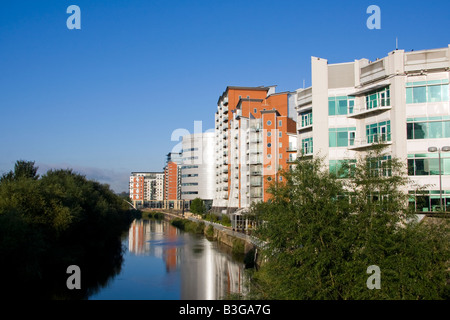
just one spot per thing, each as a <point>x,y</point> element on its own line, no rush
<point>50,222</point>
<point>22,169</point>
<point>197,206</point>
<point>323,232</point>
<point>302,225</point>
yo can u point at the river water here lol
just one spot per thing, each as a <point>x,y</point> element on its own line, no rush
<point>162,262</point>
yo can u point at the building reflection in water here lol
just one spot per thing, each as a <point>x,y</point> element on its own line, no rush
<point>206,272</point>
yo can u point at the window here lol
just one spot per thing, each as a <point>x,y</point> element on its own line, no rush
<point>341,168</point>
<point>280,123</point>
<point>341,137</point>
<point>351,105</point>
<point>269,145</point>
<point>269,156</point>
<point>428,128</point>
<point>307,145</point>
<point>306,119</point>
<point>280,145</point>
<point>280,178</point>
<point>254,110</point>
<point>269,122</point>
<point>378,98</point>
<point>269,133</point>
<point>280,134</point>
<point>428,164</point>
<point>281,156</point>
<point>377,132</point>
<point>269,179</point>
<point>340,105</point>
<point>427,91</point>
<point>351,138</point>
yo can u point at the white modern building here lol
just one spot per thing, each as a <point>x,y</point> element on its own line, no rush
<point>401,100</point>
<point>159,186</point>
<point>198,167</point>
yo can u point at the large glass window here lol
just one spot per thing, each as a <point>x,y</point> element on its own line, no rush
<point>342,105</point>
<point>341,168</point>
<point>428,164</point>
<point>378,98</point>
<point>378,132</point>
<point>427,91</point>
<point>341,137</point>
<point>429,200</point>
<point>428,128</point>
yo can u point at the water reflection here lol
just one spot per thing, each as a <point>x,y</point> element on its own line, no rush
<point>194,267</point>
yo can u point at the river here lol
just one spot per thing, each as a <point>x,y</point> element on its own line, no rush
<point>161,262</point>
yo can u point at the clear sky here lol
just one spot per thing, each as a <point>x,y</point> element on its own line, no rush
<point>105,99</point>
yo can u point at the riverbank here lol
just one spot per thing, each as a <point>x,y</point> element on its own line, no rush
<point>240,243</point>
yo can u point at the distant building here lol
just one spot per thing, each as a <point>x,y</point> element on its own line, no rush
<point>160,186</point>
<point>172,177</point>
<point>143,187</point>
<point>198,168</point>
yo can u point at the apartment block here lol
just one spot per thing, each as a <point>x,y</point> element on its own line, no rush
<point>172,177</point>
<point>401,100</point>
<point>198,167</point>
<point>144,187</point>
<point>255,134</point>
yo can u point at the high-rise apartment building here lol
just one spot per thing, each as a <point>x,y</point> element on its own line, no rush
<point>198,167</point>
<point>401,100</point>
<point>159,189</point>
<point>172,177</point>
<point>255,135</point>
<point>144,187</point>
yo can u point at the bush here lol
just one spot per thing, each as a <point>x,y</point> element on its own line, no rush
<point>210,231</point>
<point>226,220</point>
<point>198,206</point>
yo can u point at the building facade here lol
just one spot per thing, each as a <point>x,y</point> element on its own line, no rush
<point>144,187</point>
<point>197,168</point>
<point>401,100</point>
<point>172,177</point>
<point>255,134</point>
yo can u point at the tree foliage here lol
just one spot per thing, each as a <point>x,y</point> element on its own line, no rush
<point>50,222</point>
<point>323,232</point>
<point>198,206</point>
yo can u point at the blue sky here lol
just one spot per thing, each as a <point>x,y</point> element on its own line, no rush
<point>104,100</point>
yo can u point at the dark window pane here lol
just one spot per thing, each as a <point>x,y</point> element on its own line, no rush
<point>420,130</point>
<point>409,131</point>
<point>420,167</point>
<point>410,167</point>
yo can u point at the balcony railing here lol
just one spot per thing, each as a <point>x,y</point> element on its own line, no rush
<point>370,142</point>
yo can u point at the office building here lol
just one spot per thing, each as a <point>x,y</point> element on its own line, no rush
<point>198,167</point>
<point>401,100</point>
